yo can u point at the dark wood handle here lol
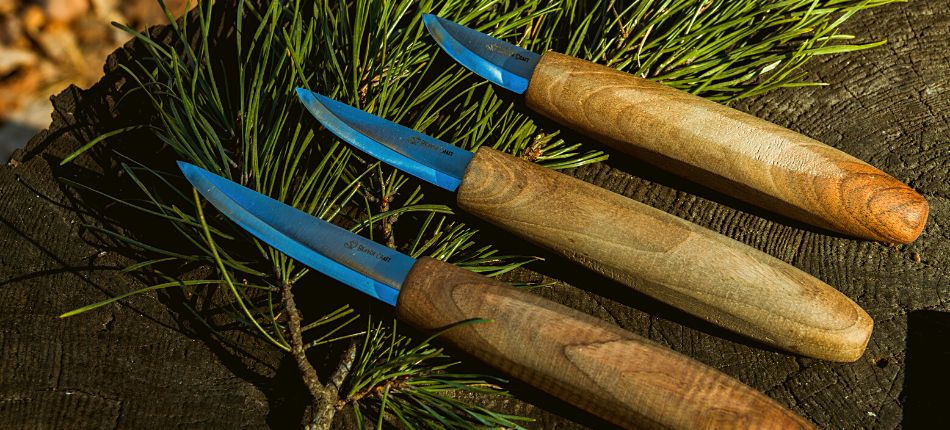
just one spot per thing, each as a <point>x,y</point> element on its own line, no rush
<point>727,150</point>
<point>601,368</point>
<point>687,266</point>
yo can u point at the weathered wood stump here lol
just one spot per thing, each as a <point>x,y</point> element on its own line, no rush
<point>148,364</point>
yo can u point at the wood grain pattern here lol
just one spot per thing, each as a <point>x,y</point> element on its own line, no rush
<point>601,368</point>
<point>889,105</point>
<point>692,268</point>
<point>727,150</point>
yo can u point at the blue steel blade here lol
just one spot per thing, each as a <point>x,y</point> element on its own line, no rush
<point>422,156</point>
<point>500,62</point>
<point>340,254</point>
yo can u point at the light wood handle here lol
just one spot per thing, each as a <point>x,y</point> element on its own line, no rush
<point>727,150</point>
<point>598,367</point>
<point>716,278</point>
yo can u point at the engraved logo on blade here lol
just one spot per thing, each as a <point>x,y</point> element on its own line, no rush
<point>504,50</point>
<point>418,141</point>
<point>355,245</point>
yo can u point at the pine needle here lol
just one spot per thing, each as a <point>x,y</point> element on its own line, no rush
<point>228,105</point>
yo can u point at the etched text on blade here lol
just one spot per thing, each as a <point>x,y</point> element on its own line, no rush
<point>415,153</point>
<point>500,62</point>
<point>358,262</point>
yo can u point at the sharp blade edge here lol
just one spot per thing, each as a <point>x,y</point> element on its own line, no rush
<point>500,62</point>
<point>422,156</point>
<point>345,256</point>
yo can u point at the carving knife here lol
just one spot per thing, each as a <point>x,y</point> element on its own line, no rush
<point>599,367</point>
<point>682,264</point>
<point>727,150</point>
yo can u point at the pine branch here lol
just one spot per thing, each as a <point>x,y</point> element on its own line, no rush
<point>227,104</point>
<point>393,376</point>
<point>325,396</point>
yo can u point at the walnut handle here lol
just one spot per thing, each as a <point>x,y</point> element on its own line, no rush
<point>598,367</point>
<point>716,278</point>
<point>732,152</point>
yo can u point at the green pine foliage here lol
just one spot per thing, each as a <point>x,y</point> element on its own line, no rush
<point>411,381</point>
<point>230,107</point>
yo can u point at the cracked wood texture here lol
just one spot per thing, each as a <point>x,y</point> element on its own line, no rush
<point>149,364</point>
<point>621,377</point>
<point>728,283</point>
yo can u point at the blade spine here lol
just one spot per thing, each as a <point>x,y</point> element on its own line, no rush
<point>478,63</point>
<point>438,18</point>
<point>442,164</point>
<point>231,207</point>
<point>356,130</point>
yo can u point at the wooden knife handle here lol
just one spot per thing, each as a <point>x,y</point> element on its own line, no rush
<point>727,150</point>
<point>601,368</point>
<point>687,266</point>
